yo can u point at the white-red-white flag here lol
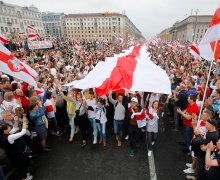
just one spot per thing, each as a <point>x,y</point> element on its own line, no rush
<point>14,67</point>
<point>211,39</point>
<point>32,36</point>
<point>115,36</point>
<point>3,39</point>
<point>121,39</point>
<point>21,33</point>
<point>31,28</point>
<point>195,51</point>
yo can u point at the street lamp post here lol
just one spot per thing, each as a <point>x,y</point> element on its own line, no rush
<point>194,33</point>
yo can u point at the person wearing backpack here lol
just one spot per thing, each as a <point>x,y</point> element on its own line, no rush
<point>120,105</point>
<point>100,118</point>
<point>180,100</point>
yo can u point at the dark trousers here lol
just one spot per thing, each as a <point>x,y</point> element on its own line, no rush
<point>1,174</point>
<point>200,163</point>
<point>83,122</point>
<point>134,133</point>
<point>151,136</point>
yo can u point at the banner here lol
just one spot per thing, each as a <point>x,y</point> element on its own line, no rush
<point>40,44</point>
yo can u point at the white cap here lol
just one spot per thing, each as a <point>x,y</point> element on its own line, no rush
<point>134,99</point>
<point>194,77</point>
<point>4,76</point>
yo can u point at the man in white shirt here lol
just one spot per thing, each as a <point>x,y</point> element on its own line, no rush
<point>91,114</point>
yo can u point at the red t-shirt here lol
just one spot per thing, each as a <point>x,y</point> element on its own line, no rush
<point>191,109</point>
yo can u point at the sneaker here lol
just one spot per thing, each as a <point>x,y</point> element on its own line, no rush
<point>47,150</point>
<point>149,153</point>
<point>104,143</point>
<point>153,143</point>
<point>100,141</point>
<point>83,144</point>
<point>116,137</point>
<point>175,130</point>
<point>138,144</point>
<point>189,171</point>
<point>29,177</point>
<point>76,131</point>
<point>127,137</point>
<point>119,143</point>
<point>132,152</point>
<point>47,146</point>
<point>58,133</point>
<point>189,165</point>
<point>191,177</point>
<point>71,139</point>
<point>95,140</point>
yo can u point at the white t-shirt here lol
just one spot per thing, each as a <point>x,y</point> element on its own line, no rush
<point>91,114</point>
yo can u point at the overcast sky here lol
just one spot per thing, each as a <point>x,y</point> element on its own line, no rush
<point>149,16</point>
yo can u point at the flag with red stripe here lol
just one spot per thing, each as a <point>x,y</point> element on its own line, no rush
<point>210,41</point>
<point>3,39</point>
<point>32,36</point>
<point>195,51</point>
<point>31,28</point>
<point>12,66</point>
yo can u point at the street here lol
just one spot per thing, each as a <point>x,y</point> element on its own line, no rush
<point>68,161</point>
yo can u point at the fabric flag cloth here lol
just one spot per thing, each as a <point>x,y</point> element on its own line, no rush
<point>21,33</point>
<point>211,37</point>
<point>31,28</point>
<point>3,39</point>
<point>12,66</point>
<point>132,70</point>
<point>194,51</point>
<point>121,39</point>
<point>32,36</point>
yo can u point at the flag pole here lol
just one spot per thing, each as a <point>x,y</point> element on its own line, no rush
<point>207,81</point>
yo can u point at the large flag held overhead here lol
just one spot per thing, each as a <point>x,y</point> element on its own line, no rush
<point>12,66</point>
<point>194,51</point>
<point>211,37</point>
<point>132,70</point>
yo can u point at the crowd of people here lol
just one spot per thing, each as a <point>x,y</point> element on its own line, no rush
<point>51,106</point>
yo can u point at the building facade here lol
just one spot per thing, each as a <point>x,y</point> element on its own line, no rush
<point>184,30</point>
<point>53,24</point>
<point>14,19</point>
<point>99,26</point>
<point>165,34</point>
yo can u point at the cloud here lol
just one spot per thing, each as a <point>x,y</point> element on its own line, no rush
<point>149,16</point>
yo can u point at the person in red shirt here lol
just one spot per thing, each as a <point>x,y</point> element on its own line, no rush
<point>192,108</point>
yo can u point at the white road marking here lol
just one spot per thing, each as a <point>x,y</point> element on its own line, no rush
<point>153,174</point>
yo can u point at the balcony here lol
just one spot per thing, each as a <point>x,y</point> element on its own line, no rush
<point>9,23</point>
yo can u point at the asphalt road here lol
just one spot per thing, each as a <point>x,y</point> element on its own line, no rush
<point>68,161</point>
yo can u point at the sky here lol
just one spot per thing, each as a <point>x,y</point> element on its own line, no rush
<point>149,16</point>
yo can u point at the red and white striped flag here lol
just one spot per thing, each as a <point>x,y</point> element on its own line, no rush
<point>195,51</point>
<point>12,66</point>
<point>3,39</point>
<point>121,39</point>
<point>126,71</point>
<point>211,39</point>
<point>115,36</point>
<point>31,28</point>
<point>32,36</point>
<point>21,33</point>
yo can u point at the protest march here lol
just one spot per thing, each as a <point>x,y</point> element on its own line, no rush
<point>96,91</point>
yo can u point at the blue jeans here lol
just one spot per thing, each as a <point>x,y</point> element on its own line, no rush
<point>94,126</point>
<point>54,124</point>
<point>72,124</point>
<point>102,130</point>
<point>188,134</point>
<point>119,129</point>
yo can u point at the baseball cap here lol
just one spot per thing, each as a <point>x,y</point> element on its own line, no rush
<point>134,99</point>
<point>213,122</point>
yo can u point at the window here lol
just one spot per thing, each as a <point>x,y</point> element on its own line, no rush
<point>12,20</point>
<point>201,30</point>
<point>197,30</point>
<point>3,20</point>
<point>16,22</point>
